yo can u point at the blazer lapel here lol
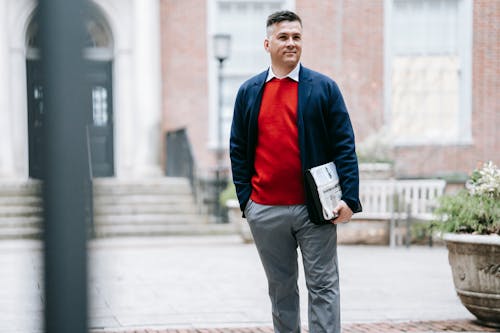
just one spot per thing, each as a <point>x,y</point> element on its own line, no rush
<point>256,98</point>
<point>256,93</point>
<point>305,88</point>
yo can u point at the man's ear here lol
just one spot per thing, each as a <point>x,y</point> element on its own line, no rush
<point>266,44</point>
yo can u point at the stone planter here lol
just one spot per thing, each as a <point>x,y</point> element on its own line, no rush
<point>234,214</point>
<point>475,264</point>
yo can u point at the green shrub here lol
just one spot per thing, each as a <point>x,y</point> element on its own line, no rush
<point>475,209</point>
<point>228,193</point>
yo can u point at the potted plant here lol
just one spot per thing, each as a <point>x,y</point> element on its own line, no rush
<point>470,220</point>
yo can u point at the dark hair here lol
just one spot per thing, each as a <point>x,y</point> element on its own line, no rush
<point>282,15</point>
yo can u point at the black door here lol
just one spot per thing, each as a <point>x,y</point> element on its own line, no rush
<point>100,123</point>
<point>100,118</point>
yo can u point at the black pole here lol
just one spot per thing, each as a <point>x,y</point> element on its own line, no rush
<point>65,159</point>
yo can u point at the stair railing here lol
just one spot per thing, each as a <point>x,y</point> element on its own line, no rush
<point>180,162</point>
<point>89,190</point>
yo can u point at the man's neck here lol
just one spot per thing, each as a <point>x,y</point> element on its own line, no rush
<point>282,72</point>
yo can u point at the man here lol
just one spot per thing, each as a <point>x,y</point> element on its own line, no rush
<point>286,120</point>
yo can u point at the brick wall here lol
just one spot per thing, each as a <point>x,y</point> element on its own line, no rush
<point>344,39</point>
<point>184,72</point>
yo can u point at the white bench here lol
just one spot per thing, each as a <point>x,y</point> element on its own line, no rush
<point>396,200</point>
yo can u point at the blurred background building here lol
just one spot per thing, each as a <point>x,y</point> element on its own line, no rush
<point>420,79</point>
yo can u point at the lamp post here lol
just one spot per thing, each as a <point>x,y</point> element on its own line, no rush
<point>222,47</point>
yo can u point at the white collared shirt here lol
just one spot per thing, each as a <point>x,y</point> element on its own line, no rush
<point>294,74</point>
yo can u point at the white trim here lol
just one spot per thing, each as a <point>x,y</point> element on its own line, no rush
<point>147,88</point>
<point>6,155</point>
<point>387,62</point>
<point>19,17</point>
<point>466,10</point>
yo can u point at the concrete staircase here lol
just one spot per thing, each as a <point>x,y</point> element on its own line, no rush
<point>20,209</point>
<point>163,206</point>
<point>143,207</point>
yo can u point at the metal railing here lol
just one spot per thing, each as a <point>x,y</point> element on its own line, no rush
<point>180,162</point>
<point>89,189</point>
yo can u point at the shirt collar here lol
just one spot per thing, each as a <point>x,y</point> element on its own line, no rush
<point>294,74</point>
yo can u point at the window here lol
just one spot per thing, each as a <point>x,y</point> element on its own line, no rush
<point>99,106</point>
<point>245,21</point>
<point>429,44</point>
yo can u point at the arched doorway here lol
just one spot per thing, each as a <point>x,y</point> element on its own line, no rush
<point>98,55</point>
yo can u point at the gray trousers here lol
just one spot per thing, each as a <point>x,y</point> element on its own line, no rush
<point>277,232</point>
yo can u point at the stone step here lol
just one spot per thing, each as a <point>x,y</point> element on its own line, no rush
<point>166,185</point>
<point>29,187</point>
<point>20,233</point>
<point>21,211</point>
<point>16,200</point>
<point>33,187</point>
<point>119,190</point>
<point>146,208</point>
<point>139,199</point>
<point>165,230</point>
<point>35,231</point>
<point>20,221</point>
<point>150,219</point>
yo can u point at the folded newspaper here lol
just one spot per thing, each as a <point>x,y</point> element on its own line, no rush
<point>329,192</point>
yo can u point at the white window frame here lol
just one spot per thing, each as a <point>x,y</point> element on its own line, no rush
<point>465,13</point>
<point>213,88</point>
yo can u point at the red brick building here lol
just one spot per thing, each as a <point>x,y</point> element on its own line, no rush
<point>421,78</point>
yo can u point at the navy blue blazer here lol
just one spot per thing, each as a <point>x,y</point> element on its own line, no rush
<point>324,127</point>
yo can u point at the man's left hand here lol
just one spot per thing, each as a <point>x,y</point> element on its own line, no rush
<point>344,213</point>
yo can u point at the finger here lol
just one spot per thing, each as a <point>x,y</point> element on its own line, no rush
<point>341,219</point>
<point>338,219</point>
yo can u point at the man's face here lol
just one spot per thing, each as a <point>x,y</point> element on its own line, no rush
<point>284,44</point>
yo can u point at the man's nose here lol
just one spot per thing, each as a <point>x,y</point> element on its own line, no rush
<point>290,42</point>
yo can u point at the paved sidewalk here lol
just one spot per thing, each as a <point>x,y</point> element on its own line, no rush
<point>416,327</point>
<point>204,284</point>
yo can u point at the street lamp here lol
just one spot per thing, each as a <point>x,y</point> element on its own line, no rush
<point>222,48</point>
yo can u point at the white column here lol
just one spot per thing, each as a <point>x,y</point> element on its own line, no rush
<point>147,87</point>
<point>18,109</point>
<point>123,91</point>
<point>6,158</point>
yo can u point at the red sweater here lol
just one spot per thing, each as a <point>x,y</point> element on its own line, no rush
<point>278,178</point>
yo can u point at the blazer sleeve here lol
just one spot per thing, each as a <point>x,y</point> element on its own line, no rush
<point>238,150</point>
<point>339,128</point>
